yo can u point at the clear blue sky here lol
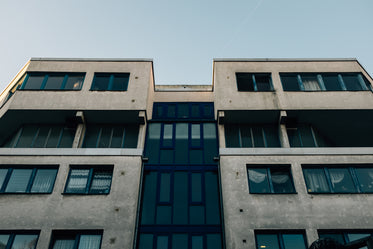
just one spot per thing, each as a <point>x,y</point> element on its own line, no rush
<point>183,37</point>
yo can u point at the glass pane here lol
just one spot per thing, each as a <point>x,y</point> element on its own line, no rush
<point>162,242</point>
<point>167,135</point>
<point>208,110</point>
<point>267,241</point>
<point>210,143</point>
<point>3,240</point>
<point>165,186</point>
<point>197,215</point>
<point>3,173</point>
<point>290,83</point>
<point>25,241</point>
<point>332,82</point>
<point>258,137</point>
<point>77,181</point>
<point>365,177</point>
<point>232,139</point>
<point>181,143</point>
<point>271,136</point>
<point>337,237</point>
<point>352,83</point>
<point>18,181</point>
<point>196,135</point>
<point>44,181</point>
<point>245,82</point>
<point>101,182</point>
<point>180,241</point>
<point>34,82</point>
<point>281,181</point>
<point>316,181</point>
<point>90,242</point>
<point>196,187</point>
<point>163,215</point>
<point>310,83</point>
<point>153,142</point>
<point>146,241</point>
<point>91,136</point>
<point>355,236</point>
<point>117,138</point>
<point>294,241</point>
<point>149,198</point>
<point>341,180</point>
<point>195,157</point>
<point>131,136</point>
<point>195,110</point>
<point>246,139</point>
<point>258,181</point>
<point>263,82</point>
<point>54,82</point>
<point>74,82</point>
<point>212,198</point>
<point>166,156</point>
<point>54,137</point>
<point>183,110</point>
<point>101,82</point>
<point>294,138</point>
<point>197,242</point>
<point>64,244</point>
<point>171,111</point>
<point>67,138</point>
<point>105,137</point>
<point>120,82</point>
<point>41,138</point>
<point>306,136</point>
<point>213,241</point>
<point>27,136</point>
<point>180,215</point>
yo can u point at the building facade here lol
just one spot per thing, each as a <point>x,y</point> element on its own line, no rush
<point>274,154</point>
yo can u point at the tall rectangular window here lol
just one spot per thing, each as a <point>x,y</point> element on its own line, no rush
<point>303,135</point>
<point>254,82</point>
<point>65,239</point>
<point>89,180</point>
<point>280,240</point>
<point>110,82</point>
<point>53,81</point>
<point>19,240</point>
<point>276,179</point>
<point>338,178</point>
<point>26,179</point>
<point>111,136</point>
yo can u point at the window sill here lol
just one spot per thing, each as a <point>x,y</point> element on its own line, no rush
<point>84,194</point>
<point>70,151</point>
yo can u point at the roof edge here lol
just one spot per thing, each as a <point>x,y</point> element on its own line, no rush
<point>280,59</point>
<point>93,59</point>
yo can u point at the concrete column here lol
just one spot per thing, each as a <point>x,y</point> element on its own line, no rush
<point>44,238</point>
<point>221,133</point>
<point>284,140</point>
<point>311,236</point>
<point>80,130</point>
<point>142,130</point>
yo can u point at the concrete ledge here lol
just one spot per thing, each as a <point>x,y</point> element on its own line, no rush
<point>295,151</point>
<point>69,152</point>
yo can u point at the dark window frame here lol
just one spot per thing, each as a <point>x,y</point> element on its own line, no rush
<point>31,179</point>
<point>46,75</point>
<point>279,234</point>
<point>241,75</point>
<point>73,234</point>
<point>92,169</point>
<point>111,77</point>
<point>205,111</point>
<point>343,232</point>
<point>13,233</point>
<point>325,169</point>
<point>268,168</point>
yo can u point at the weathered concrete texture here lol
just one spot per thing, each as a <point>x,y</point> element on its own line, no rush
<point>114,213</point>
<point>288,211</point>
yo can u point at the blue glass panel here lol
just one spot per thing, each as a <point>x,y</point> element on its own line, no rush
<point>196,185</point>
<point>197,215</point>
<point>104,140</point>
<point>196,135</point>
<point>365,177</point>
<point>117,137</point>
<point>153,142</point>
<point>232,139</point>
<point>282,181</point>
<point>332,82</point>
<point>258,137</point>
<point>245,82</point>
<point>149,198</point>
<point>316,181</point>
<point>341,180</point>
<point>64,244</point>
<point>183,110</point>
<point>197,242</point>
<point>263,82</point>
<point>212,198</point>
<point>4,240</point>
<point>180,241</point>
<point>146,241</point>
<point>54,137</point>
<point>162,242</point>
<point>258,181</point>
<point>131,136</point>
<point>18,181</point>
<point>164,187</point>
<point>166,156</point>
<point>101,182</point>
<point>41,139</point>
<point>27,136</point>
<point>294,241</point>
<point>77,181</point>
<point>34,82</point>
<point>44,181</point>
<point>209,142</point>
<point>246,139</point>
<point>163,215</point>
<point>290,82</point>
<point>120,82</point>
<point>271,136</point>
<point>23,241</point>
<point>310,82</point>
<point>307,136</point>
<point>213,241</point>
<point>167,135</point>
<point>74,82</point>
<point>90,242</point>
<point>101,82</point>
<point>196,110</point>
<point>91,137</point>
<point>355,236</point>
<point>3,173</point>
<point>181,143</point>
<point>352,82</point>
<point>54,82</point>
<point>337,237</point>
<point>267,241</point>
<point>180,215</point>
<point>67,138</point>
<point>195,157</point>
<point>294,138</point>
<point>171,111</point>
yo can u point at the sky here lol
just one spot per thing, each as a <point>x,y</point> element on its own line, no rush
<point>183,37</point>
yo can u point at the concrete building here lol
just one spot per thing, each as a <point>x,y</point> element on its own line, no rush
<point>274,154</point>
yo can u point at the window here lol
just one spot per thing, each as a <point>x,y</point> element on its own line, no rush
<point>258,82</point>
<point>251,136</point>
<point>189,110</point>
<point>110,82</point>
<point>339,179</point>
<point>110,136</point>
<point>53,81</point>
<point>42,136</point>
<point>324,82</point>
<point>27,179</point>
<point>275,179</point>
<point>280,240</point>
<point>89,180</point>
<point>345,237</point>
<point>19,240</point>
<point>305,136</point>
<point>76,240</point>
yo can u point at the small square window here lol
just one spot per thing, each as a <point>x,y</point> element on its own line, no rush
<point>249,82</point>
<point>76,239</point>
<point>280,240</point>
<point>19,239</point>
<point>110,82</point>
<point>275,179</point>
<point>89,180</point>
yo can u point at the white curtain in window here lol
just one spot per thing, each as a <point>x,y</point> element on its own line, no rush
<point>310,85</point>
<point>316,180</point>
<point>336,177</point>
<point>64,244</point>
<point>280,179</point>
<point>90,242</point>
<point>370,175</point>
<point>256,176</point>
<point>44,180</point>
<point>78,180</point>
<point>101,181</point>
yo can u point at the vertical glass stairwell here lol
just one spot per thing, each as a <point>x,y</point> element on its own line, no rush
<point>180,204</point>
